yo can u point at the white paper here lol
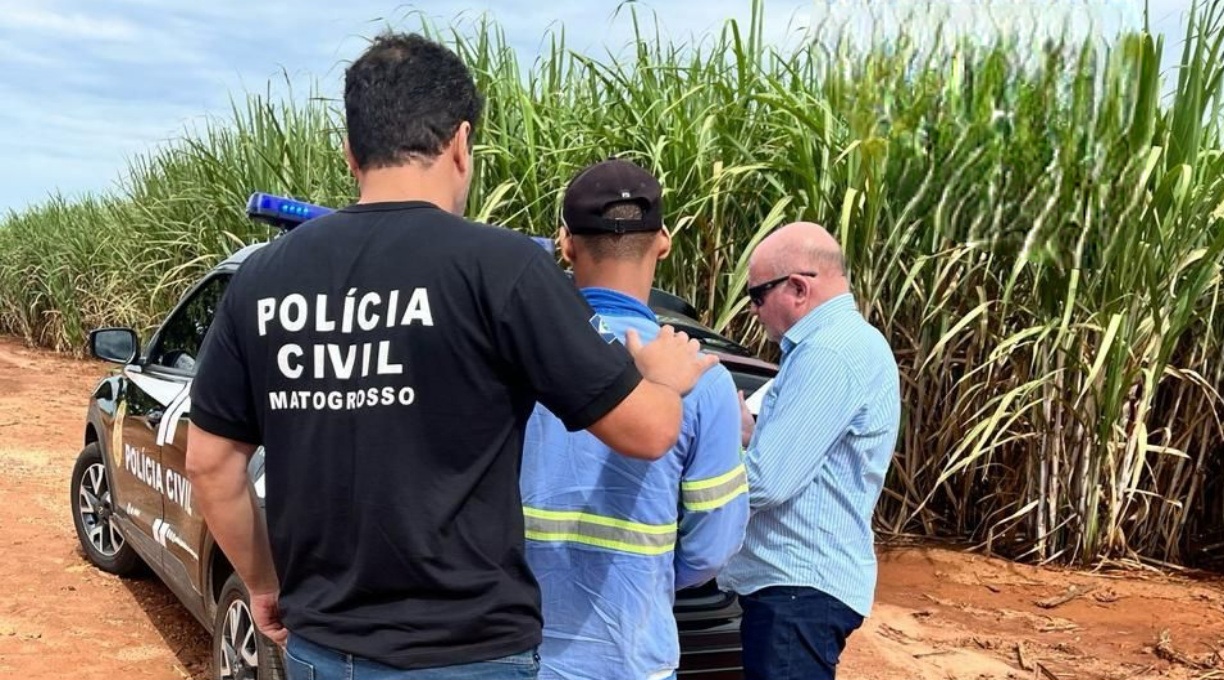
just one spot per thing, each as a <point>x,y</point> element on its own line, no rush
<point>754,400</point>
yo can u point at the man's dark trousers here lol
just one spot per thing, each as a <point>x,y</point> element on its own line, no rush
<point>794,633</point>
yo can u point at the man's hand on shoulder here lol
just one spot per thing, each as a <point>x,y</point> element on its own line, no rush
<point>672,359</point>
<point>646,424</point>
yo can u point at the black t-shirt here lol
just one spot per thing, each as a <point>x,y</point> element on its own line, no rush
<point>387,357</point>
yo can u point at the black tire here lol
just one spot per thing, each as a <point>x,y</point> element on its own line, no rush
<point>232,661</point>
<point>92,503</point>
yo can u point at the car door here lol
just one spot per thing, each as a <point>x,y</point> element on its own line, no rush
<point>136,464</point>
<point>179,527</point>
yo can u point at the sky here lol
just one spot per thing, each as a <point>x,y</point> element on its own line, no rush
<point>88,85</point>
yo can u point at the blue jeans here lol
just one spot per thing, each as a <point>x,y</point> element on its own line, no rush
<point>304,660</point>
<point>792,633</point>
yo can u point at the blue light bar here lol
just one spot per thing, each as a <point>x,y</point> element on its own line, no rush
<point>281,211</point>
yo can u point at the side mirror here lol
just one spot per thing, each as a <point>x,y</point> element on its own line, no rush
<point>117,345</point>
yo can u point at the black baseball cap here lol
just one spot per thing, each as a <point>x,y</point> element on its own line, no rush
<point>605,183</point>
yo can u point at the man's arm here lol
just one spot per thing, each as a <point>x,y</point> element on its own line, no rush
<point>217,468</point>
<point>714,487</point>
<point>221,438</point>
<point>626,395</point>
<point>816,401</point>
<point>646,423</point>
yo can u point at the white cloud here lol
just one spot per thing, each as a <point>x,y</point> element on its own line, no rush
<point>14,55</point>
<point>73,25</point>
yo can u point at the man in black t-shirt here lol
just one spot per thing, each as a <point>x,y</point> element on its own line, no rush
<point>387,357</point>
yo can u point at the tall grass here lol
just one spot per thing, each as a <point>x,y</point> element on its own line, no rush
<point>1038,232</point>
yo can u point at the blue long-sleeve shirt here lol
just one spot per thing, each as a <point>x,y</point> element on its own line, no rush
<point>817,459</point>
<point>611,539</point>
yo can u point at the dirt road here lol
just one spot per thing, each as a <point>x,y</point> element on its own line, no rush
<point>940,614</point>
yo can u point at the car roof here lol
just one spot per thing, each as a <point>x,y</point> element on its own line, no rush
<point>240,256</point>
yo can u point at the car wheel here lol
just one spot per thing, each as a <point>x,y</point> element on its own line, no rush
<point>240,651</point>
<point>93,514</point>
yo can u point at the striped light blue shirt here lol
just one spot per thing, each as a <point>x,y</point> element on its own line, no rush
<point>816,463</point>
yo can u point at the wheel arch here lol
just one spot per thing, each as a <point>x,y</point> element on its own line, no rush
<point>219,571</point>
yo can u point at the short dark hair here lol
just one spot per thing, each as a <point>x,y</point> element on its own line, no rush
<point>630,246</point>
<point>404,99</point>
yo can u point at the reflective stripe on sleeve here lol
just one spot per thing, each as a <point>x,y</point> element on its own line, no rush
<point>598,530</point>
<point>710,494</point>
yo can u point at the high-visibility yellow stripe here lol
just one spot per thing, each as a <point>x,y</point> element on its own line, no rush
<point>602,520</point>
<point>703,495</point>
<point>716,503</point>
<point>600,531</point>
<point>601,543</point>
<point>698,484</point>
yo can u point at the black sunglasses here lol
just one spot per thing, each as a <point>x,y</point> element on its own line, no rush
<point>757,293</point>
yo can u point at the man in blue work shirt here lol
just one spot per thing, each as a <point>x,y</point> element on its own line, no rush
<point>816,460</point>
<point>610,539</point>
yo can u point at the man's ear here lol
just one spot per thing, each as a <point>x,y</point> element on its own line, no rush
<point>354,169</point>
<point>565,245</point>
<point>803,288</point>
<point>664,241</point>
<point>461,149</point>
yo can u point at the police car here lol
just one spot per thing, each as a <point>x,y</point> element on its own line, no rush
<point>132,502</point>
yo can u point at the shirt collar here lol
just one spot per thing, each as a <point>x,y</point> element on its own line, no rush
<point>816,319</point>
<point>610,302</point>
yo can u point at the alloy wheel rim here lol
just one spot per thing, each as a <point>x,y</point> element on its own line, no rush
<point>239,647</point>
<point>97,513</point>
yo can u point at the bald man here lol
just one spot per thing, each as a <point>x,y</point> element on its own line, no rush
<point>816,459</point>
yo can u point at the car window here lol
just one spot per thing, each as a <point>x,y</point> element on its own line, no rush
<point>703,334</point>
<point>183,333</point>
